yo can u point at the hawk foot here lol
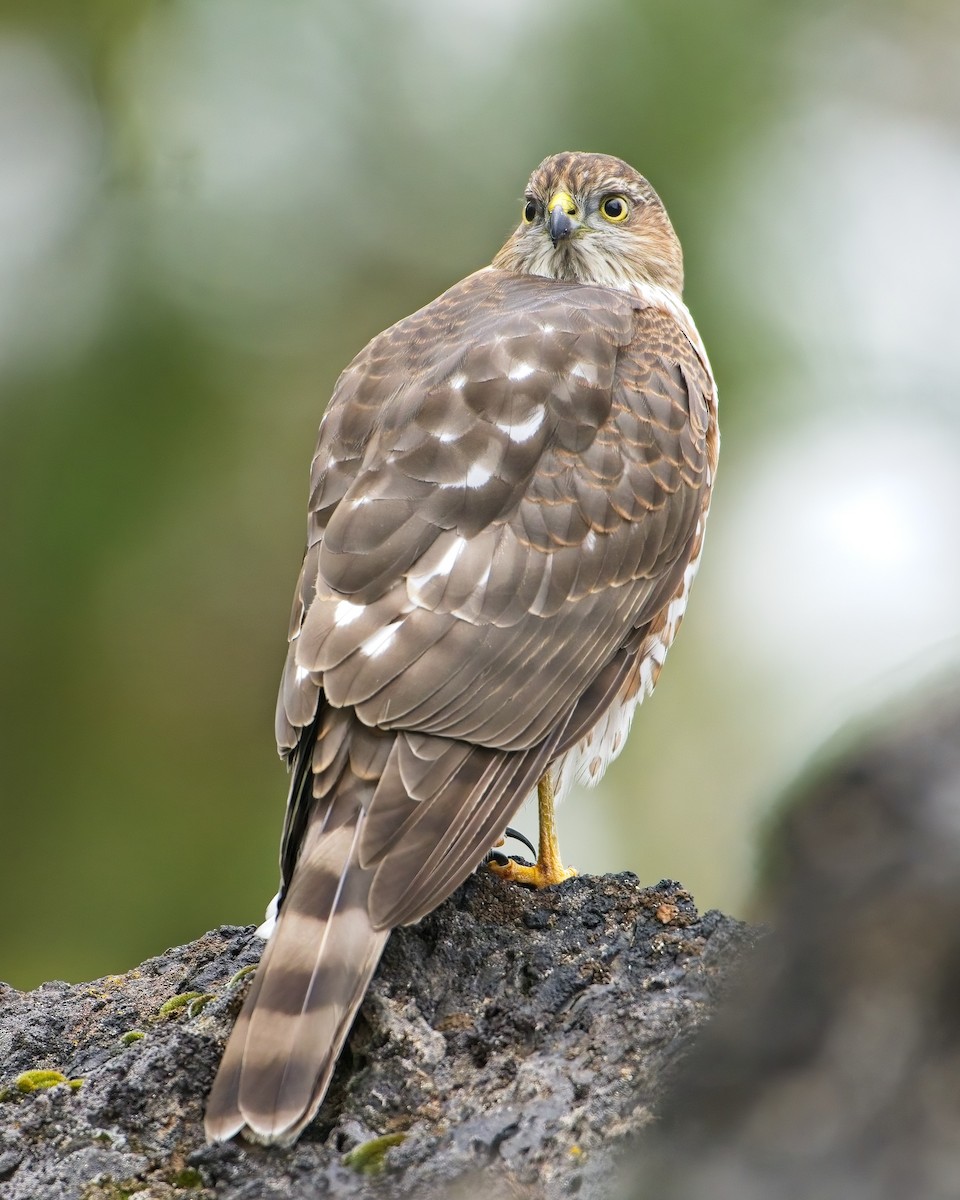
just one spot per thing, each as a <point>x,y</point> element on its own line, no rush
<point>538,874</point>
<point>548,869</point>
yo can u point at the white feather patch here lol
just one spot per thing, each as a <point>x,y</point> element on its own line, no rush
<point>379,642</point>
<point>346,613</point>
<point>523,431</point>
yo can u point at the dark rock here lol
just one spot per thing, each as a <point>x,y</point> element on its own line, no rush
<point>516,1039</point>
<point>833,1070</point>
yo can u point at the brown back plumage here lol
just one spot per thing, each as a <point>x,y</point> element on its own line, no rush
<point>508,490</point>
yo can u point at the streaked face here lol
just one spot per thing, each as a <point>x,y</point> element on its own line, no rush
<point>592,218</point>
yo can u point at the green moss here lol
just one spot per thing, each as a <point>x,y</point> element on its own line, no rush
<point>187,1178</point>
<point>198,1003</point>
<point>241,975</point>
<point>132,1035</point>
<point>367,1158</point>
<point>175,1003</point>
<point>36,1081</point>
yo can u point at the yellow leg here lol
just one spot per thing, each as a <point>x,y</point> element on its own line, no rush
<point>548,869</point>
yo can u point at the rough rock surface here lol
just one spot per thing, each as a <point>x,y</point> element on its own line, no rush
<point>512,1042</point>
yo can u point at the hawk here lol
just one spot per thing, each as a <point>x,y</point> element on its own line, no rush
<point>507,510</point>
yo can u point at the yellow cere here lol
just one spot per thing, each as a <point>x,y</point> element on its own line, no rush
<point>564,201</point>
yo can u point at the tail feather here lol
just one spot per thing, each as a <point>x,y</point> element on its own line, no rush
<point>311,980</point>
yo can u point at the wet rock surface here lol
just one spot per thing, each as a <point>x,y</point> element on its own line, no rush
<point>511,1044</point>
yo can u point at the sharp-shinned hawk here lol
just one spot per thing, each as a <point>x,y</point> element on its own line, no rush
<point>507,509</point>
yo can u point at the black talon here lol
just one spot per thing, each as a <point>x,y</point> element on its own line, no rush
<point>518,836</point>
<point>501,859</point>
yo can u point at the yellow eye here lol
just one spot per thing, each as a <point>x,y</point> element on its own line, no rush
<point>615,208</point>
<point>529,212</point>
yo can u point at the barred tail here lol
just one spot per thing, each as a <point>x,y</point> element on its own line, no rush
<point>307,989</point>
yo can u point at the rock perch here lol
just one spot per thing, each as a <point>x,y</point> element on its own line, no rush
<point>511,1045</point>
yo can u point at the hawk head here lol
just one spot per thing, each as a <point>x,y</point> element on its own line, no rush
<point>594,219</point>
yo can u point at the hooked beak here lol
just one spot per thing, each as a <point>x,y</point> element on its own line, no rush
<point>562,217</point>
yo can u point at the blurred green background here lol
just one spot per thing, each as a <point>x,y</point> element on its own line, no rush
<point>208,206</point>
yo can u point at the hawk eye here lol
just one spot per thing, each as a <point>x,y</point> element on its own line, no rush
<point>529,212</point>
<point>614,208</point>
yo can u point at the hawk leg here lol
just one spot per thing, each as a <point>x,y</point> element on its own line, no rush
<point>548,869</point>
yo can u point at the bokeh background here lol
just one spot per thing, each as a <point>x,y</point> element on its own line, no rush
<point>208,206</point>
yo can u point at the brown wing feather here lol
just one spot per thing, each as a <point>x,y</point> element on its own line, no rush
<point>494,634</point>
<point>590,413</point>
<point>484,618</point>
